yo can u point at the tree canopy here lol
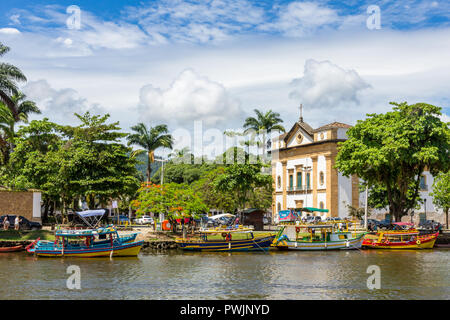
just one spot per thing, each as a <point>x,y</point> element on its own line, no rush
<point>390,151</point>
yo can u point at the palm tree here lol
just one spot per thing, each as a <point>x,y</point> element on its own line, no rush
<point>264,123</point>
<point>150,139</point>
<point>9,75</point>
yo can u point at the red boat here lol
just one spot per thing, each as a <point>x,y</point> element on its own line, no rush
<point>11,249</point>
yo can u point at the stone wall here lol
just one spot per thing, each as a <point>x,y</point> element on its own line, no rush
<point>17,203</point>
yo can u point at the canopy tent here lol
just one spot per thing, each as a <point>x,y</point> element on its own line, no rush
<point>311,209</point>
<point>91,217</point>
<point>224,215</point>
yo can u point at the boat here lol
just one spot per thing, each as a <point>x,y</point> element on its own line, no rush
<point>100,242</point>
<point>400,239</point>
<point>230,239</point>
<point>317,237</point>
<point>11,249</point>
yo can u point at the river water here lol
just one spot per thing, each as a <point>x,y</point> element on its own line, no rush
<point>274,275</point>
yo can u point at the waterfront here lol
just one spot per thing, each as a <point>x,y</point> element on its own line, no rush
<point>276,275</point>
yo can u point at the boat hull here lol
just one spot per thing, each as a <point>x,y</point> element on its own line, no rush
<point>123,250</point>
<point>11,249</point>
<point>427,243</point>
<point>258,244</point>
<point>350,244</point>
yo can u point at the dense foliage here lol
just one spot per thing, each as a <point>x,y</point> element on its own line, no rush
<point>390,152</point>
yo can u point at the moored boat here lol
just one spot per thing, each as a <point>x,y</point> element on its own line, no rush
<point>400,239</point>
<point>11,249</point>
<point>317,237</point>
<point>230,239</point>
<point>101,242</point>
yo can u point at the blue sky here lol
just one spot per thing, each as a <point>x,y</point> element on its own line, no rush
<point>176,61</point>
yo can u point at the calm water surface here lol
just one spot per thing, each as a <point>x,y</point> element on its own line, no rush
<point>275,275</point>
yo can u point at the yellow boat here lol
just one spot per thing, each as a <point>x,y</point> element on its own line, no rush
<point>400,239</point>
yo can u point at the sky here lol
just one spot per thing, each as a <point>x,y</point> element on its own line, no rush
<point>178,62</point>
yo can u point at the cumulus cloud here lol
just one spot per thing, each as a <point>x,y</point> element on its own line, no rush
<point>58,103</point>
<point>190,97</point>
<point>326,85</point>
<point>9,31</point>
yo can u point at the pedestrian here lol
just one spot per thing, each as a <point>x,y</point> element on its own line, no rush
<point>17,222</point>
<point>6,223</point>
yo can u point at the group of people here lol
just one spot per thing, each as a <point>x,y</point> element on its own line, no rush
<point>6,223</point>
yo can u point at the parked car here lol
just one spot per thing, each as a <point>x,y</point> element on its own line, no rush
<point>25,224</point>
<point>430,225</point>
<point>331,219</point>
<point>374,225</point>
<point>144,220</point>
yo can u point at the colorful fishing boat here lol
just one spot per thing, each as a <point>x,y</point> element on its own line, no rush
<point>400,239</point>
<point>100,242</point>
<point>317,237</point>
<point>226,239</point>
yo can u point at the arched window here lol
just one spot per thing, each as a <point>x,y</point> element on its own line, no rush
<point>279,182</point>
<point>321,205</point>
<point>279,207</point>
<point>321,178</point>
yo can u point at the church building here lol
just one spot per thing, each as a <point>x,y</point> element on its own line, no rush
<point>303,170</point>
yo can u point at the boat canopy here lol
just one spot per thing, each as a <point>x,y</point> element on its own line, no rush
<point>91,217</point>
<point>218,216</point>
<point>311,209</point>
<point>86,232</point>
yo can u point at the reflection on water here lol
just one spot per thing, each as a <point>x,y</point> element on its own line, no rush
<point>274,275</point>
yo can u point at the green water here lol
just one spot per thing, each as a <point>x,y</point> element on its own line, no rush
<point>275,275</point>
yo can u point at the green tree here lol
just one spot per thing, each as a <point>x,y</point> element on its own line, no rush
<point>9,76</point>
<point>441,193</point>
<point>242,180</point>
<point>263,124</point>
<point>150,139</point>
<point>390,152</point>
<point>211,196</point>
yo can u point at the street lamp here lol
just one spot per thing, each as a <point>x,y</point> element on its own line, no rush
<point>162,217</point>
<point>162,168</point>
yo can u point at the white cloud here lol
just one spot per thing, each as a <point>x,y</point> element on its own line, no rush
<point>190,97</point>
<point>196,21</point>
<point>302,18</point>
<point>326,85</point>
<point>59,103</point>
<point>10,31</point>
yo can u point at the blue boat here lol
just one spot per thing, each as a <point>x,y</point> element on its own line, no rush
<point>100,242</point>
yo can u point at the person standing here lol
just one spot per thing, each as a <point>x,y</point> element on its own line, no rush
<point>17,222</point>
<point>6,223</point>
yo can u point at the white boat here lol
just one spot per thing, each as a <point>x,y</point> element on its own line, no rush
<point>317,237</point>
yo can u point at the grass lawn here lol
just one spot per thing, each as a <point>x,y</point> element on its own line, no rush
<point>26,235</point>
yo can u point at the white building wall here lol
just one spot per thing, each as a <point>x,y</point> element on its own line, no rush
<point>344,194</point>
<point>37,205</point>
<point>306,139</point>
<point>322,197</point>
<point>278,173</point>
<point>321,166</point>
